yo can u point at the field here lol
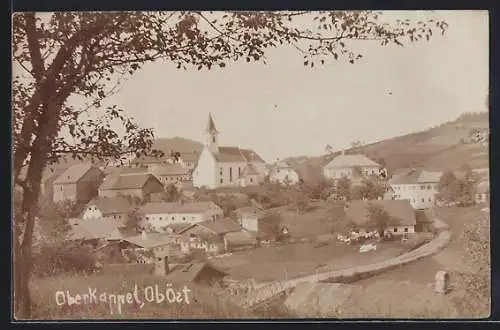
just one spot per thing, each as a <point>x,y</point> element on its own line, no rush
<point>300,259</point>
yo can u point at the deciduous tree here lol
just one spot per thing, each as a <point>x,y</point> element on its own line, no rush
<point>86,54</point>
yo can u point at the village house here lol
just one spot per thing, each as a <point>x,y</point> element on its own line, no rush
<point>226,166</point>
<point>150,247</point>
<point>402,219</point>
<point>171,174</point>
<point>208,236</point>
<point>78,183</point>
<point>159,215</point>
<point>140,185</point>
<point>115,209</point>
<point>148,162</point>
<point>283,173</point>
<point>201,273</point>
<point>264,226</point>
<point>188,160</point>
<point>347,165</point>
<point>417,186</point>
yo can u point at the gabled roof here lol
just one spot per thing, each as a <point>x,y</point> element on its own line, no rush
<point>177,207</point>
<point>150,240</point>
<point>249,170</point>
<point>112,205</point>
<point>429,177</point>
<point>414,176</point>
<point>73,174</point>
<point>400,211</point>
<point>171,169</point>
<point>94,229</point>
<point>126,181</point>
<point>221,226</point>
<point>191,272</point>
<point>343,161</point>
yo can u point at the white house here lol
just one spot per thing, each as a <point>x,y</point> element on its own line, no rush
<point>419,187</point>
<point>345,165</point>
<point>226,166</point>
<point>160,215</point>
<point>284,174</point>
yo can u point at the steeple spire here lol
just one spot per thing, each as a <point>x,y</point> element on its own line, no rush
<point>211,124</point>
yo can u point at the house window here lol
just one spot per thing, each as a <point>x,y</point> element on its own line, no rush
<point>213,139</point>
<point>395,230</point>
<point>183,218</point>
<point>173,218</point>
<point>239,171</point>
<point>406,230</point>
<point>428,187</point>
<point>430,199</point>
<point>221,180</point>
<point>422,187</point>
<point>251,179</point>
<point>161,218</point>
<point>230,174</point>
<point>423,200</point>
<point>147,218</point>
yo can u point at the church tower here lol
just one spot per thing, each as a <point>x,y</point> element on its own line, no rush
<point>212,135</point>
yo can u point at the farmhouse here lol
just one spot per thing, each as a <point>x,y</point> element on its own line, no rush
<point>226,166</point>
<point>161,214</point>
<point>347,165</point>
<point>417,186</point>
<point>140,185</point>
<point>208,236</point>
<point>402,219</point>
<point>283,173</point>
<point>116,209</point>
<point>171,173</point>
<point>78,183</point>
<point>158,245</point>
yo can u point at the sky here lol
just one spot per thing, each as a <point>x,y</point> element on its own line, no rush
<point>284,109</point>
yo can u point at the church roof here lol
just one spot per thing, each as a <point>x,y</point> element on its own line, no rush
<point>211,124</point>
<point>236,155</point>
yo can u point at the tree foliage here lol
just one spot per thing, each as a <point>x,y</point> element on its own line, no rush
<point>458,190</point>
<point>62,56</point>
<point>378,218</point>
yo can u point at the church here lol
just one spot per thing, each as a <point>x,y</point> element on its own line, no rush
<point>226,166</point>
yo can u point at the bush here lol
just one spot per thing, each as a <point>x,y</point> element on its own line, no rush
<point>64,258</point>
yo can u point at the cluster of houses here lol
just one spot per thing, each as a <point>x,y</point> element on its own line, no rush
<point>117,197</point>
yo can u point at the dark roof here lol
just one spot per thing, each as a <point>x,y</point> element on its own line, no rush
<point>191,272</point>
<point>400,211</point>
<point>177,207</point>
<point>112,205</point>
<point>73,174</point>
<point>211,124</point>
<point>126,181</point>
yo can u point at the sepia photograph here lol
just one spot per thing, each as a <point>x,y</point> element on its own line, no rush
<point>256,165</point>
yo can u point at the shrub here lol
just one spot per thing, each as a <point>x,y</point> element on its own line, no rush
<point>62,258</point>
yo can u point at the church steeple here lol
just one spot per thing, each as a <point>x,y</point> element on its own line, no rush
<point>212,135</point>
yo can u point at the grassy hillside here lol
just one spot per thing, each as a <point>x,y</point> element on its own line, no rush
<point>438,148</point>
